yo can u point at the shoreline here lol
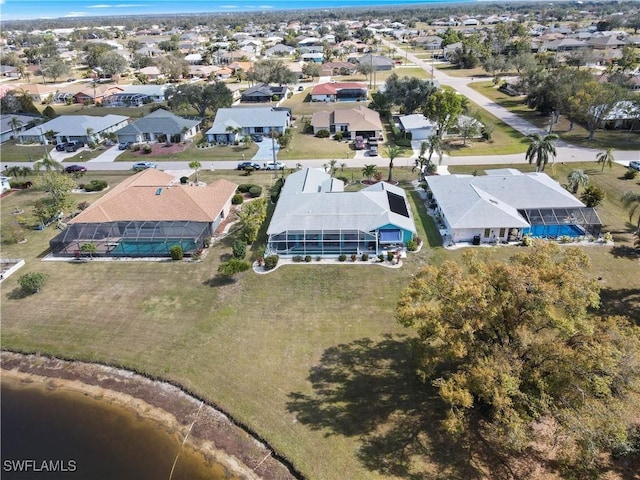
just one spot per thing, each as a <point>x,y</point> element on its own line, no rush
<point>213,434</point>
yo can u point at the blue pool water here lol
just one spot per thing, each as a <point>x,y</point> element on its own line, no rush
<point>554,231</point>
<point>129,248</point>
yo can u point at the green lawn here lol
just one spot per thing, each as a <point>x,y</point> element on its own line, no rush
<point>12,152</point>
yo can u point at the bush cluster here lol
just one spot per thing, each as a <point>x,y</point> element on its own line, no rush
<point>412,245</point>
<point>342,258</point>
<point>297,258</point>
<point>323,133</point>
<point>95,186</point>
<point>307,258</point>
<point>255,191</point>
<point>176,252</point>
<point>365,257</point>
<point>237,199</point>
<point>271,261</point>
<point>630,174</point>
<point>239,249</point>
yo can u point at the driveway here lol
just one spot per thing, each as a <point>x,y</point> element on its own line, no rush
<point>265,150</point>
<point>109,155</point>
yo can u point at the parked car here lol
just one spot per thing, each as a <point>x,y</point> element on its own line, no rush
<point>75,168</point>
<point>124,145</point>
<point>373,151</point>
<point>61,147</point>
<point>245,165</point>
<point>74,146</point>
<point>300,88</point>
<point>144,165</point>
<point>635,165</point>
<point>359,145</point>
<point>275,166</point>
<point>257,138</point>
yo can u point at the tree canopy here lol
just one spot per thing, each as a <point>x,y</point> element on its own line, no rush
<point>514,343</point>
<point>202,98</point>
<point>443,108</point>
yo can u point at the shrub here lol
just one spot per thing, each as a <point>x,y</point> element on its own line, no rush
<point>365,257</point>
<point>592,196</point>
<point>245,187</point>
<point>146,149</point>
<point>32,282</point>
<point>307,258</point>
<point>607,237</point>
<point>255,191</point>
<point>381,257</point>
<point>565,239</point>
<point>297,258</point>
<point>184,180</point>
<point>324,133</point>
<point>207,242</point>
<point>412,245</point>
<point>233,266</point>
<point>390,256</point>
<point>354,257</point>
<point>378,176</point>
<point>418,240</point>
<point>338,136</point>
<point>527,240</point>
<point>237,199</point>
<point>239,249</point>
<point>630,174</point>
<point>342,258</point>
<point>135,147</point>
<point>95,186</point>
<point>318,258</point>
<point>271,261</point>
<point>344,179</point>
<point>83,206</point>
<point>176,252</point>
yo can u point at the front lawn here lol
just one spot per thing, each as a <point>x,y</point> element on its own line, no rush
<point>12,152</point>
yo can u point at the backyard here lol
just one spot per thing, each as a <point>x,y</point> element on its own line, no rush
<point>309,356</point>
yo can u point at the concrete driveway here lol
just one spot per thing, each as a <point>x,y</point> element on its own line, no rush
<point>108,155</point>
<point>265,150</point>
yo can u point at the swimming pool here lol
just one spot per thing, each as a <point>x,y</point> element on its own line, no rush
<point>554,231</point>
<point>127,248</point>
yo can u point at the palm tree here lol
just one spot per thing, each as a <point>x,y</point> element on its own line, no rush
<point>631,201</point>
<point>435,145</point>
<point>195,165</point>
<point>235,131</point>
<point>17,171</point>
<point>247,140</point>
<point>540,149</point>
<point>606,158</point>
<point>392,152</point>
<point>15,124</point>
<point>576,178</point>
<point>369,171</point>
<point>48,163</point>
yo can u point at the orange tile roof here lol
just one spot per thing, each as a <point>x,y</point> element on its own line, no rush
<point>136,199</point>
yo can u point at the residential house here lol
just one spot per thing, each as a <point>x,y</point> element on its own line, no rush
<point>315,216</point>
<point>10,71</point>
<point>417,125</point>
<point>329,69</point>
<point>339,92</point>
<point>265,93</point>
<point>38,92</point>
<point>159,126</point>
<point>606,42</point>
<point>353,122</point>
<point>95,93</point>
<point>85,128</point>
<point>378,62</point>
<point>231,124</point>
<point>7,129</point>
<point>505,205</point>
<point>152,73</point>
<point>5,184</point>
<point>316,57</point>
<point>146,215</point>
<point>279,50</point>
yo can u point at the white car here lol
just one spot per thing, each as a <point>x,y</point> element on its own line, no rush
<point>275,166</point>
<point>635,165</point>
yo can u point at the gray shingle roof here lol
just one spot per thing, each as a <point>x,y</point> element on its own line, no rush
<point>248,118</point>
<point>159,121</point>
<point>76,125</point>
<point>313,200</point>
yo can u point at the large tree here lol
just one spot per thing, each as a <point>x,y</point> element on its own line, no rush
<point>594,102</point>
<point>272,70</point>
<point>54,68</point>
<point>202,98</point>
<point>540,148</point>
<point>513,344</point>
<point>409,93</point>
<point>112,63</point>
<point>443,108</point>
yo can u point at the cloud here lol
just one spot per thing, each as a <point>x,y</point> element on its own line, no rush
<point>76,14</point>
<point>99,6</point>
<point>128,5</point>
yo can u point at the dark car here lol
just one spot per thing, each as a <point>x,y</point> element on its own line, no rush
<point>257,138</point>
<point>61,147</point>
<point>75,169</point>
<point>124,145</point>
<point>245,165</point>
<point>74,146</point>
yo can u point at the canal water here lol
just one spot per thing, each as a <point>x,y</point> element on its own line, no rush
<point>66,435</point>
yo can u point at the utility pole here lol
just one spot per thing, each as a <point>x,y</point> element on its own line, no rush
<point>272,133</point>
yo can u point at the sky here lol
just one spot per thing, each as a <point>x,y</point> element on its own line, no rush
<point>30,9</point>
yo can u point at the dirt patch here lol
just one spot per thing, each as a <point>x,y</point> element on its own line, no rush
<point>213,433</point>
<point>158,149</point>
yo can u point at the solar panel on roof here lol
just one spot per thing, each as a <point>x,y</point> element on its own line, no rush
<point>397,204</point>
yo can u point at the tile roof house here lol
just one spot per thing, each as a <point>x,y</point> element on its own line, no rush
<point>159,126</point>
<point>339,91</point>
<point>506,204</point>
<point>315,216</point>
<point>360,121</point>
<point>147,214</point>
<point>68,128</point>
<point>253,120</point>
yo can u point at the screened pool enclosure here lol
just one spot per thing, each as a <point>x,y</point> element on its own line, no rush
<point>131,239</point>
<point>562,222</point>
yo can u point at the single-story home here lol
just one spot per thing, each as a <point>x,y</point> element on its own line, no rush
<point>231,124</point>
<point>265,93</point>
<point>339,92</point>
<point>337,68</point>
<point>136,95</point>
<point>505,205</point>
<point>39,92</point>
<point>377,62</point>
<point>10,128</point>
<point>85,128</point>
<point>417,125</point>
<point>315,216</point>
<point>146,215</point>
<point>360,121</point>
<point>159,126</point>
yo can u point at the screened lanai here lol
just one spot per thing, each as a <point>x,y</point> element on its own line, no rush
<point>131,238</point>
<point>322,242</point>
<point>562,222</point>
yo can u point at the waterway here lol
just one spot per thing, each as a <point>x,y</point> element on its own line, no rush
<point>51,434</point>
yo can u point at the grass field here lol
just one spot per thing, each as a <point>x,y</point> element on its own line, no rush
<point>309,356</point>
